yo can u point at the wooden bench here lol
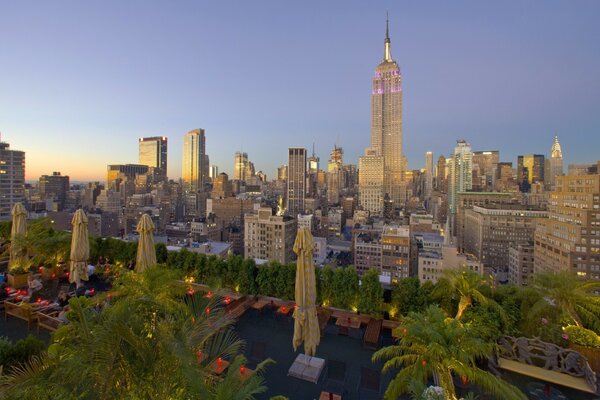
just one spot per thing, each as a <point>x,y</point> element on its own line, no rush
<point>372,334</point>
<point>48,321</point>
<point>24,311</point>
<point>558,378</point>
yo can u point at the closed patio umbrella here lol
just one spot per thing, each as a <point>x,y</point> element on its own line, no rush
<point>146,253</point>
<point>18,231</point>
<point>306,324</point>
<point>80,249</point>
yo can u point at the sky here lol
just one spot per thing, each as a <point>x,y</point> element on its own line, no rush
<point>80,82</point>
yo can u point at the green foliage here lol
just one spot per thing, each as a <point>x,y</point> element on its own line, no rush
<point>407,296</point>
<point>274,279</point>
<point>327,275</point>
<point>431,344</point>
<point>161,253</point>
<point>5,230</point>
<point>371,294</point>
<point>570,298</point>
<point>582,337</point>
<point>12,354</point>
<point>467,287</point>
<point>345,288</point>
<point>247,277</point>
<point>149,333</point>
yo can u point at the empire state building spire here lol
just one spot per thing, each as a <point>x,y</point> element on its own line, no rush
<point>387,52</point>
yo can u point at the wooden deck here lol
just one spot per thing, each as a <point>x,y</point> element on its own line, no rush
<point>546,375</point>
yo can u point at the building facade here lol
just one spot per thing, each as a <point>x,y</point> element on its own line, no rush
<point>520,263</point>
<point>296,183</point>
<point>12,179</point>
<point>195,173</point>
<point>530,170</point>
<point>54,188</point>
<point>491,230</point>
<point>371,182</point>
<point>269,237</point>
<point>153,153</point>
<point>460,174</point>
<point>569,240</point>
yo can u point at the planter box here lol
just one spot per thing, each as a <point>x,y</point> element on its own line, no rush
<point>592,355</point>
<point>18,281</point>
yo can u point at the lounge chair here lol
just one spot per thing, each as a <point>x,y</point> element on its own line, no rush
<point>370,383</point>
<point>336,377</point>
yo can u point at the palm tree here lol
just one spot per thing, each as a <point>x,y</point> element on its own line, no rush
<point>572,298</point>
<point>468,286</point>
<point>151,344</point>
<point>434,346</point>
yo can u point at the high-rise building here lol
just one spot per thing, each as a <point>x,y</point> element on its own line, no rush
<point>428,174</point>
<point>441,180</point>
<point>54,187</point>
<point>520,263</point>
<point>221,186</point>
<point>569,240</point>
<point>214,171</point>
<point>195,161</point>
<point>491,230</point>
<point>195,172</point>
<point>530,170</point>
<point>386,123</point>
<point>335,175</point>
<point>371,181</point>
<point>386,249</point>
<point>484,166</point>
<point>240,163</point>
<point>504,178</point>
<point>311,174</point>
<point>296,183</point>
<point>282,173</point>
<point>555,164</point>
<point>153,153</point>
<point>268,236</point>
<point>460,176</point>
<point>12,179</point>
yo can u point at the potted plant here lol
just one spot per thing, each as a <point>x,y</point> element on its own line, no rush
<point>586,342</point>
<point>18,273</point>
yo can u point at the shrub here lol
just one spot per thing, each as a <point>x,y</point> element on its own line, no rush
<point>20,351</point>
<point>582,337</point>
<point>371,294</point>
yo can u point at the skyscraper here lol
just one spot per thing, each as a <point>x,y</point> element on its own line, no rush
<point>371,181</point>
<point>386,122</point>
<point>460,177</point>
<point>12,179</point>
<point>240,163</point>
<point>530,170</point>
<point>555,164</point>
<point>484,165</point>
<point>428,174</point>
<point>568,239</point>
<point>195,172</point>
<point>296,183</point>
<point>335,175</point>
<point>153,153</point>
<point>54,187</point>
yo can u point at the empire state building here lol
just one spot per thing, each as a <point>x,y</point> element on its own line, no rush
<point>384,161</point>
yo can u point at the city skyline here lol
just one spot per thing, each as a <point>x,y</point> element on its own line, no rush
<point>84,85</point>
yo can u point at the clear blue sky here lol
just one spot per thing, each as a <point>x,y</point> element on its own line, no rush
<point>81,81</point>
